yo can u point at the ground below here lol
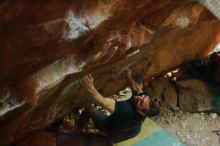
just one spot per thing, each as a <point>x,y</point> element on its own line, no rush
<point>193,129</point>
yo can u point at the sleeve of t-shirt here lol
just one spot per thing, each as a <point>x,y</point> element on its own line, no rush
<point>134,93</point>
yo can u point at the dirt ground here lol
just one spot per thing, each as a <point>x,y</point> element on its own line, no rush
<point>193,129</point>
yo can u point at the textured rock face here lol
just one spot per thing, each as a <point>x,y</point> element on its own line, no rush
<point>191,95</point>
<point>47,46</point>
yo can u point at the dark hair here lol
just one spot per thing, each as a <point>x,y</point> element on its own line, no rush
<point>155,107</point>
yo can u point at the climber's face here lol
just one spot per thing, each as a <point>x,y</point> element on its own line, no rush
<point>142,102</point>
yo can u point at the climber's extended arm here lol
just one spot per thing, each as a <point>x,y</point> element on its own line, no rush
<point>134,85</point>
<point>107,103</point>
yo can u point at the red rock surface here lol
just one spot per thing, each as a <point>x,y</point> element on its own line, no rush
<point>47,47</point>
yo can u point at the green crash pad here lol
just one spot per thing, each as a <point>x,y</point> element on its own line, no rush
<point>151,135</point>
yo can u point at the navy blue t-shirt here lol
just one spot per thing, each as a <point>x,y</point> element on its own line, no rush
<point>125,122</point>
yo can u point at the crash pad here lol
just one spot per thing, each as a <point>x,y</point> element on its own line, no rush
<point>151,135</point>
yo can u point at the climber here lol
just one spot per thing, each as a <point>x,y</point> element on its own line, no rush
<point>126,116</point>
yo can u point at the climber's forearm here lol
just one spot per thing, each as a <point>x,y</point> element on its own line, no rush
<point>134,85</point>
<point>107,103</point>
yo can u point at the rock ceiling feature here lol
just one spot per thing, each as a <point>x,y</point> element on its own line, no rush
<point>48,46</point>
